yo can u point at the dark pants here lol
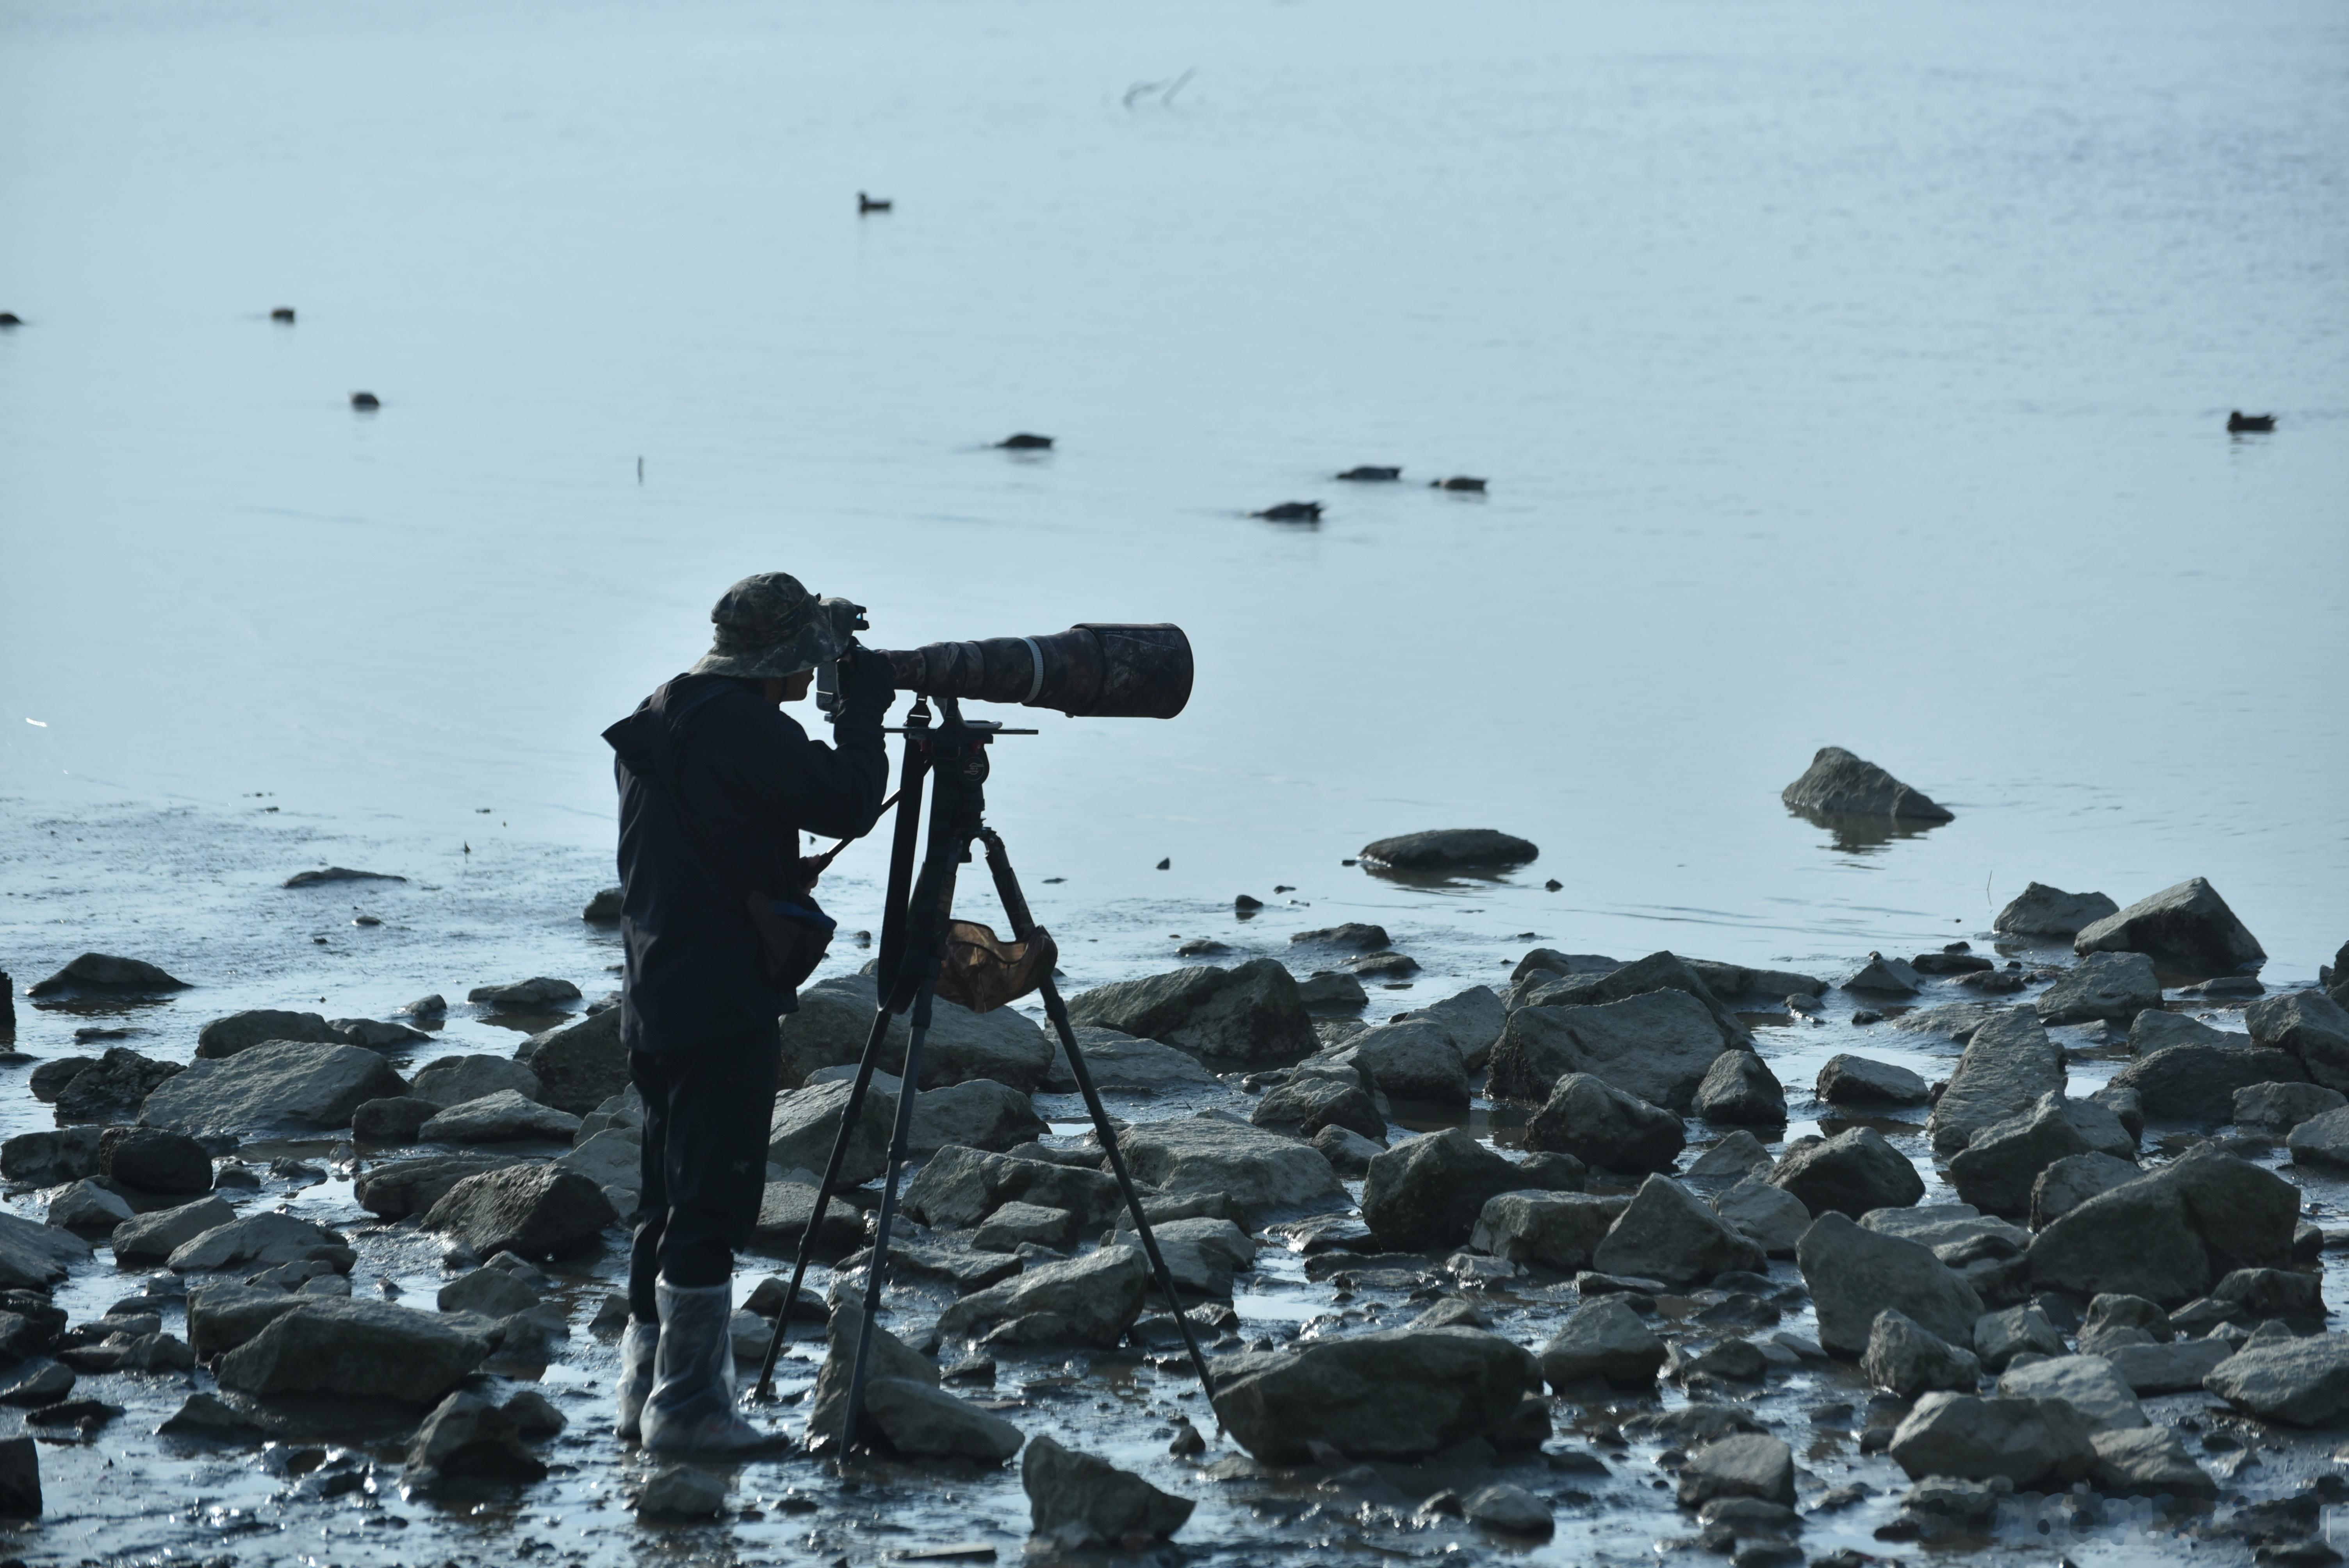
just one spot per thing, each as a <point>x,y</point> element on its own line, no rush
<point>706,1111</point>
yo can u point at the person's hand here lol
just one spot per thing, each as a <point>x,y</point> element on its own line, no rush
<point>867,678</point>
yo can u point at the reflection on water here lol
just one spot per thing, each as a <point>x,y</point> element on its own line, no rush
<point>1863,833</point>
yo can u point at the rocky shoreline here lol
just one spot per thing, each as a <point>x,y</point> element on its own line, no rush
<point>1529,1271</point>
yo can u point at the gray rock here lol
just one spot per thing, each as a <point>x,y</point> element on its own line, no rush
<point>1737,1156</point>
<point>1202,1253</point>
<point>1602,1338</point>
<point>504,1116</point>
<point>1662,971</point>
<point>256,1026</point>
<point>1658,1045</point>
<point>469,1435</point>
<point>579,1066</point>
<point>1601,1125</point>
<point>2305,1382</point>
<point>2174,1369</point>
<point>1854,1274</point>
<point>2044,910</point>
<point>2117,986</point>
<point>1014,1224</point>
<point>2198,1083</point>
<point>784,1209</point>
<point>2321,1140</point>
<point>1449,849</point>
<point>34,1384</point>
<point>535,1210</point>
<point>393,1120</point>
<point>1851,1173</point>
<point>1258,1170</point>
<point>1852,1080</point>
<point>52,1077</point>
<point>1511,1509</point>
<point>960,1187</point>
<point>223,1316</point>
<point>2168,1236</point>
<point>539,991</point>
<point>2071,1181</point>
<point>290,1083</point>
<point>1307,1105</point>
<point>262,1240</point>
<point>682,1491</point>
<point>1740,1090</point>
<point>153,1237</point>
<point>2149,1461</point>
<point>919,1420</point>
<point>1076,1500</point>
<point>977,1113</point>
<point>835,1016</point>
<point>1243,1016</point>
<point>1555,1229</point>
<point>1838,783</point>
<point>2281,1106</point>
<point>2009,1064</point>
<point>1668,1233</point>
<point>1349,1153</point>
<point>1472,1020</point>
<point>1331,990</point>
<point>35,1257</point>
<point>1747,1464</point>
<point>613,1158</point>
<point>2274,1293</point>
<point>1428,1192</point>
<point>605,907</point>
<point>2311,1025</point>
<point>50,1158</point>
<point>1909,1361</point>
<point>87,1208</point>
<point>453,1080</point>
<point>806,1123</point>
<point>1769,1217</point>
<point>1996,1171</point>
<point>1770,985</point>
<point>2153,1029</point>
<point>1411,1060</point>
<point>492,1293</point>
<point>114,1089</point>
<point>2001,1336</point>
<point>377,1033</point>
<point>1885,976</point>
<point>1120,1064</point>
<point>2186,930</point>
<point>889,1357</point>
<point>2086,1383</point>
<point>1958,1021</point>
<point>105,971</point>
<point>398,1188</point>
<point>154,1164</point>
<point>1397,1395</point>
<point>354,1349</point>
<point>1352,936</point>
<point>1091,1300</point>
<point>2030,1443</point>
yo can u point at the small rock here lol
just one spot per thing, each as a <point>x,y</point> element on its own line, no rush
<point>1512,1510</point>
<point>505,1117</point>
<point>103,972</point>
<point>1428,1192</point>
<point>1092,1299</point>
<point>2042,910</point>
<point>394,1118</point>
<point>536,1210</point>
<point>2281,1106</point>
<point>20,1478</point>
<point>38,1383</point>
<point>1885,976</point>
<point>682,1491</point>
<point>1997,1168</point>
<point>258,1026</point>
<point>605,907</point>
<point>1851,1173</point>
<point>1667,1232</point>
<point>2009,1063</point>
<point>1740,1090</point>
<point>1909,1361</point>
<point>1769,1217</point>
<point>2309,1024</point>
<point>2149,1461</point>
<point>87,1208</point>
<point>1349,1153</point>
<point>1398,1394</point>
<point>1448,849</point>
<point>2001,1336</point>
<point>1248,1016</point>
<point>2197,1082</point>
<point>2305,1382</point>
<point>1854,1274</point>
<point>537,992</point>
<point>1606,1127</point>
<point>354,1348</point>
<point>2086,1383</point>
<point>2072,1181</point>
<point>1555,1229</point>
<point>2117,986</point>
<point>2027,1441</point>
<point>210,1416</point>
<point>1076,1500</point>
<point>1850,1080</point>
<point>1749,1464</point>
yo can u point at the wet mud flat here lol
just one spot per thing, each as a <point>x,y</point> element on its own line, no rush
<point>1677,1379</point>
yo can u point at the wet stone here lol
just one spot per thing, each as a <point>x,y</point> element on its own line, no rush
<point>1909,1361</point>
<point>1668,1232</point>
<point>1851,1173</point>
<point>2042,910</point>
<point>1076,1500</point>
<point>1604,1339</point>
<point>1854,1274</point>
<point>1606,1127</point>
<point>2117,986</point>
<point>1394,1394</point>
<point>1749,1464</point>
<point>1769,1217</point>
<point>2071,1181</point>
<point>2281,1107</point>
<point>1857,1081</point>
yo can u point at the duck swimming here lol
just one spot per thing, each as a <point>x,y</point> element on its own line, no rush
<point>2239,423</point>
<point>867,204</point>
<point>1024,442</point>
<point>366,400</point>
<point>1457,482</point>
<point>1291,512</point>
<point>1366,471</point>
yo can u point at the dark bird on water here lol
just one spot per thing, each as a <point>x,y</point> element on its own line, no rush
<point>1024,442</point>
<point>2239,423</point>
<point>867,204</point>
<point>1457,482</point>
<point>1367,471</point>
<point>284,312</point>
<point>1291,512</point>
<point>10,318</point>
<point>366,400</point>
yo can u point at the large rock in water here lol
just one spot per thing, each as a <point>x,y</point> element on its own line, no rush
<point>2117,985</point>
<point>1250,1015</point>
<point>505,1117</point>
<point>579,1066</point>
<point>1428,1192</point>
<point>1088,1300</point>
<point>2169,1236</point>
<point>2028,1441</point>
<point>2089,1384</point>
<point>2302,1381</point>
<point>2007,1065</point>
<point>2188,931</point>
<point>1120,1063</point>
<point>284,1083</point>
<point>534,1211</point>
<point>398,1188</point>
<point>2042,910</point>
<point>114,1087</point>
<point>1904,1359</point>
<point>2199,1083</point>
<point>1410,1060</point>
<point>51,1158</point>
<point>1769,1217</point>
<point>1603,1338</point>
<point>1662,971</point>
<point>453,1080</point>
<point>1555,1229</point>
<point>960,1187</point>
<point>835,1016</point>
<point>2311,1025</point>
<point>1852,1173</point>
<point>1854,1274</point>
<point>1996,1171</point>
<point>1657,1046</point>
<point>920,1421</point>
<point>256,1026</point>
<point>887,1357</point>
<point>1740,1090</point>
<point>153,1237</point>
<point>1075,1501</point>
<point>1669,1233</point>
<point>356,1349</point>
<point>1449,849</point>
<point>1399,1395</point>
<point>152,1161</point>
<point>1255,1169</point>
<point>1472,1020</point>
<point>1601,1125</point>
<point>259,1241</point>
<point>1838,783</point>
<point>105,971</point>
<point>806,1123</point>
<point>33,1256</point>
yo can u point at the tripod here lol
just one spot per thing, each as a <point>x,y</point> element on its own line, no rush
<point>913,933</point>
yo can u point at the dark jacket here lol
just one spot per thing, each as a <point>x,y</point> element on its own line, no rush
<point>715,788</point>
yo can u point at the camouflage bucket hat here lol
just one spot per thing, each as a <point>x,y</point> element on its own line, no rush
<point>769,625</point>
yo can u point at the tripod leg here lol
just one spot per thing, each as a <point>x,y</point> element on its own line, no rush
<point>876,1271</point>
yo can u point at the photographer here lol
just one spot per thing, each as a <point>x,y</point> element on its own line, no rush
<point>716,787</point>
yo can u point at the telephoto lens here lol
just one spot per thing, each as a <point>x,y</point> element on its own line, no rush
<point>1090,671</point>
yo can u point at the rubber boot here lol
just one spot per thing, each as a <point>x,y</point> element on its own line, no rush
<point>691,1408</point>
<point>639,1346</point>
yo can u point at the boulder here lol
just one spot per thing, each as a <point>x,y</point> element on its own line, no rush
<point>35,1257</point>
<point>2153,1029</point>
<point>1909,1361</point>
<point>1602,1338</point>
<point>1307,1105</point>
<point>2030,1443</point>
<point>1120,1064</point>
<point>535,1210</point>
<point>2176,1368</point>
<point>977,1113</point>
<point>225,1316</point>
<point>1510,1509</point>
<point>580,1065</point>
<point>1353,937</point>
<point>2281,1106</point>
<point>354,1349</point>
<point>113,1088</point>
<point>20,1478</point>
<point>2042,910</point>
<point>151,1160</point>
<point>1202,1253</point>
<point>1738,1155</point>
<point>2311,1025</point>
<point>1555,1229</point>
<point>1396,1394</point>
<point>517,995</point>
<point>2117,985</point>
<point>1854,1274</point>
<point>960,1187</point>
<point>1349,1153</point>
<point>1428,1192</point>
<point>1249,1016</point>
<point>377,1033</point>
<point>2304,1382</point>
<point>1996,1169</point>
<point>1091,1300</point>
<point>1449,849</point>
<point>1658,1045</point>
<point>394,1118</point>
<point>920,1421</point>
<point>2071,1181</point>
<point>806,1123</point>
<point>1771,986</point>
<point>888,1356</point>
<point>835,1017</point>
<point>2149,1461</point>
<point>1601,1125</point>
<point>87,1208</point>
<point>50,1079</point>
<point>1838,783</point>
<point>1740,1090</point>
<point>1852,1173</point>
<point>682,1491</point>
<point>258,1026</point>
<point>1472,1020</point>
<point>505,1117</point>
<point>612,1158</point>
<point>2186,930</point>
<point>2198,1083</point>
<point>1614,981</point>
<point>1883,977</point>
<point>1015,1225</point>
<point>282,1083</point>
<point>1667,1232</point>
<point>262,1240</point>
<point>470,1436</point>
<point>2086,1383</point>
<point>2007,1065</point>
<point>1849,1080</point>
<point>2001,1336</point>
<point>398,1188</point>
<point>1411,1060</point>
<point>784,1209</point>
<point>491,1293</point>
<point>1255,1168</point>
<point>453,1080</point>
<point>104,971</point>
<point>2169,1235</point>
<point>1769,1217</point>
<point>1075,1501</point>
<point>1746,1464</point>
<point>152,1238</point>
<point>2321,1140</point>
<point>50,1158</point>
